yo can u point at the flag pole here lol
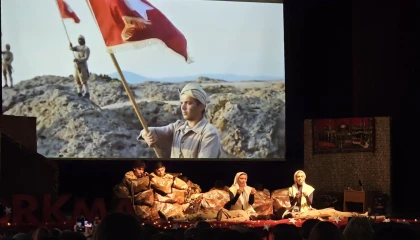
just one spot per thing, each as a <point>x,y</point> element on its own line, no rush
<point>132,100</point>
<point>67,34</point>
<point>126,87</point>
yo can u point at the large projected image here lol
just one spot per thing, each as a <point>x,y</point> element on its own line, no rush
<point>229,56</point>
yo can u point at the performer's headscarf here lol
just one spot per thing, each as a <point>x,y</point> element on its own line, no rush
<point>296,173</point>
<point>194,90</point>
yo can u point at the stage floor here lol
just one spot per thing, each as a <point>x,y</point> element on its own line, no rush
<point>263,223</point>
<point>161,224</point>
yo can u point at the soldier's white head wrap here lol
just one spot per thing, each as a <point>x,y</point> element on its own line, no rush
<point>194,90</point>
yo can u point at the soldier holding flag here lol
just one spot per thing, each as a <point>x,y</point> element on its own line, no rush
<point>81,71</point>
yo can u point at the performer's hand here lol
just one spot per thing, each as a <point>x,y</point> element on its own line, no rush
<point>71,46</point>
<point>253,191</point>
<point>240,190</point>
<point>150,138</point>
<point>298,195</point>
<point>75,60</point>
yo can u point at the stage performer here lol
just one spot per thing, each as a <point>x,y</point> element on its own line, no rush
<point>300,193</point>
<point>136,187</point>
<point>194,138</point>
<point>241,200</point>
<point>81,71</point>
<point>169,192</point>
<point>301,199</point>
<point>7,59</point>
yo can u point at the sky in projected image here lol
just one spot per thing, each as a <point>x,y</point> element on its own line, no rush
<point>227,40</point>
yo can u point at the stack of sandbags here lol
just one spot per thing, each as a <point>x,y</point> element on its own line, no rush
<point>280,199</point>
<point>169,194</point>
<point>214,199</point>
<point>137,190</point>
<point>263,204</point>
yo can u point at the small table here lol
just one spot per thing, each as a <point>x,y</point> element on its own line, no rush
<point>358,197</point>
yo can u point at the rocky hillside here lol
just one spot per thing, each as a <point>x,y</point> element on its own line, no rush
<point>250,116</point>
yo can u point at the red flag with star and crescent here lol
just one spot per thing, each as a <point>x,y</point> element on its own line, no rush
<point>66,11</point>
<point>135,24</point>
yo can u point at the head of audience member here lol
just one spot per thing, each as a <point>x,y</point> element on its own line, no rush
<point>118,225</point>
<point>41,232</point>
<point>299,177</point>
<point>307,227</point>
<point>139,167</point>
<point>192,233</point>
<point>21,236</point>
<point>55,232</point>
<point>229,234</point>
<point>160,169</point>
<point>150,229</point>
<point>393,230</point>
<point>68,235</point>
<point>202,225</point>
<point>325,231</point>
<point>286,231</point>
<point>163,236</point>
<point>358,228</point>
<point>250,235</point>
<point>242,228</point>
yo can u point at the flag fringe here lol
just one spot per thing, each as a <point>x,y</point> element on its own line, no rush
<point>144,44</point>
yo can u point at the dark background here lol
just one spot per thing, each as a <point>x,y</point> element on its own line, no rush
<point>343,59</point>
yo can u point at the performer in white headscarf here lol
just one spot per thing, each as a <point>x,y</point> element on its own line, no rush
<point>301,199</point>
<point>301,193</point>
<point>195,137</point>
<point>241,199</point>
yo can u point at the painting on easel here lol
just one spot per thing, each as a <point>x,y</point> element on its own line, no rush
<point>343,135</point>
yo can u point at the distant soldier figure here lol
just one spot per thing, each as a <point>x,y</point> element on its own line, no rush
<point>7,59</point>
<point>81,71</point>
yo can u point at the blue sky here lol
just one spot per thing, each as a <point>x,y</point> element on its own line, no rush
<point>224,38</point>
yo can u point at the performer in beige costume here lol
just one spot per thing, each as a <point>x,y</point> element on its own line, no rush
<point>241,199</point>
<point>81,71</point>
<point>7,59</point>
<point>301,197</point>
<point>194,138</point>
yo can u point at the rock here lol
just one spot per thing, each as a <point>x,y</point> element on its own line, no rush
<point>250,116</point>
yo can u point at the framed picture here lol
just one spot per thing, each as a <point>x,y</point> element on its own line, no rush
<point>343,135</point>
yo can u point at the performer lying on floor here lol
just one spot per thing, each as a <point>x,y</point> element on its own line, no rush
<point>301,199</point>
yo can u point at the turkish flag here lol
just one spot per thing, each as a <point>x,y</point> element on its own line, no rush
<point>66,11</point>
<point>136,24</point>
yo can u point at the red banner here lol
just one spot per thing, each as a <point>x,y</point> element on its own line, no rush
<point>136,24</point>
